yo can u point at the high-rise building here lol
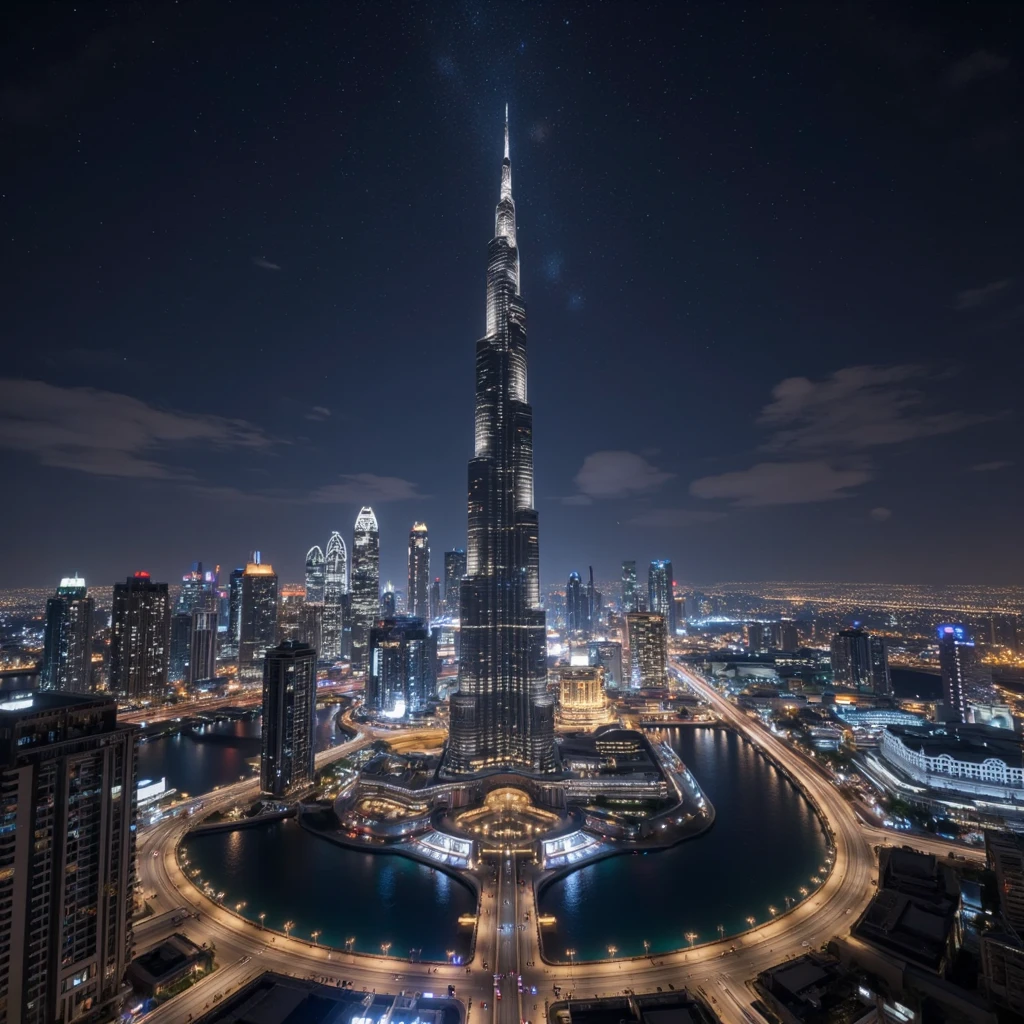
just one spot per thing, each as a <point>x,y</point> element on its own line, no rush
<point>335,589</point>
<point>593,603</point>
<point>234,612</point>
<point>139,637</point>
<point>454,570</point>
<point>502,715</point>
<point>660,593</point>
<point>258,625</point>
<point>289,718</point>
<point>607,654</point>
<point>648,649</point>
<point>860,660</point>
<point>403,667</point>
<point>419,572</point>
<point>198,592</point>
<point>291,601</point>
<point>965,680</point>
<point>67,857</point>
<point>784,636</point>
<point>577,618</point>
<point>316,572</point>
<point>365,584</point>
<point>67,639</point>
<point>311,624</point>
<point>202,660</point>
<point>436,602</point>
<point>630,588</point>
<point>758,638</point>
<point>388,601</point>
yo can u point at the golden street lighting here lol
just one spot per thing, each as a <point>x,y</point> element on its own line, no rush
<point>691,937</point>
<point>751,921</point>
<point>612,950</point>
<point>288,926</point>
<point>384,947</point>
<point>316,935</point>
<point>262,916</point>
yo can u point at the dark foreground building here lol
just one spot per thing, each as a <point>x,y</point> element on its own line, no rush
<point>67,857</point>
<point>289,713</point>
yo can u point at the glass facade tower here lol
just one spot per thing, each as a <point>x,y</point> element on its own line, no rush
<point>502,715</point>
<point>365,584</point>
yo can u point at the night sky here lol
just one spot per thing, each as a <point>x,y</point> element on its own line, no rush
<point>771,256</point>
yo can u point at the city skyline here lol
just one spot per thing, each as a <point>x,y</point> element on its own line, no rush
<point>742,439</point>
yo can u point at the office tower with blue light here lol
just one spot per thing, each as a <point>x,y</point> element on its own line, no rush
<point>67,638</point>
<point>660,593</point>
<point>402,679</point>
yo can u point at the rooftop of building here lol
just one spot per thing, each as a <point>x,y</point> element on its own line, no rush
<point>276,999</point>
<point>26,704</point>
<point>962,742</point>
<point>813,988</point>
<point>166,961</point>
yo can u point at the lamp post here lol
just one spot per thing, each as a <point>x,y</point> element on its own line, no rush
<point>350,943</point>
<point>751,921</point>
<point>612,950</point>
<point>288,926</point>
<point>691,937</point>
<point>316,935</point>
<point>570,953</point>
<point>772,911</point>
<point>384,947</point>
<point>647,948</point>
<point>262,917</point>
<point>721,931</point>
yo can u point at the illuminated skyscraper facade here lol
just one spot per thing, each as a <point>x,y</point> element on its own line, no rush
<point>502,715</point>
<point>67,640</point>
<point>403,667</point>
<point>139,637</point>
<point>454,570</point>
<point>577,618</point>
<point>365,584</point>
<point>315,572</point>
<point>258,626</point>
<point>630,589</point>
<point>335,588</point>
<point>660,595</point>
<point>965,680</point>
<point>419,572</point>
<point>648,650</point>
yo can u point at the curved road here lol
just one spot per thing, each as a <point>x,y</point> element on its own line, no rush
<point>507,944</point>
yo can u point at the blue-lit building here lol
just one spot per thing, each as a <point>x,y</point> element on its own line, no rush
<point>402,677</point>
<point>965,680</point>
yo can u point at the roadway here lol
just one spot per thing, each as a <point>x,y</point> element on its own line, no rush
<point>718,970</point>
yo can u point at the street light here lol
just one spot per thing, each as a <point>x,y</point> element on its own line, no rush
<point>288,926</point>
<point>772,911</point>
<point>349,943</point>
<point>691,937</point>
<point>612,950</point>
<point>316,935</point>
<point>384,947</point>
<point>262,916</point>
<point>647,948</point>
<point>721,931</point>
<point>751,921</point>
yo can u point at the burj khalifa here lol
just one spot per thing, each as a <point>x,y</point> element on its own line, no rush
<point>502,716</point>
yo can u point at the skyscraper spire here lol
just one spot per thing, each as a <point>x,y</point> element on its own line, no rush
<point>502,716</point>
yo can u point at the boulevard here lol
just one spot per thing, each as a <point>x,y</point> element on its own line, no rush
<point>507,942</point>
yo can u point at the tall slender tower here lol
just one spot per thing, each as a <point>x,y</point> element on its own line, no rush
<point>502,715</point>
<point>315,575</point>
<point>67,646</point>
<point>335,588</point>
<point>419,572</point>
<point>365,584</point>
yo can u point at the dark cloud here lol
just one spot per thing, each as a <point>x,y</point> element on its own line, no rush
<point>109,434</point>
<point>674,518</point>
<point>259,261</point>
<point>991,467</point>
<point>365,488</point>
<point>976,65</point>
<point>781,483</point>
<point>971,298</point>
<point>856,408</point>
<point>880,514</point>
<point>318,413</point>
<point>616,474</point>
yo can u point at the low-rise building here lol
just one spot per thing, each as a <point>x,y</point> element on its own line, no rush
<point>161,968</point>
